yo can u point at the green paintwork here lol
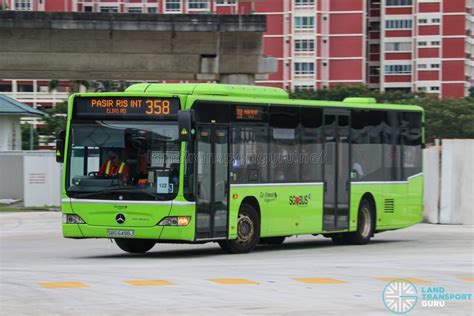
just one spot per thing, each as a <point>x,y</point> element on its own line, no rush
<point>278,217</point>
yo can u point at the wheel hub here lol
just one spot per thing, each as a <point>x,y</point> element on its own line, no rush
<point>245,229</point>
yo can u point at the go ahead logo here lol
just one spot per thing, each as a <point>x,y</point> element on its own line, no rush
<point>400,296</point>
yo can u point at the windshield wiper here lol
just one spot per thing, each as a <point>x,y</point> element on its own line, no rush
<point>120,190</point>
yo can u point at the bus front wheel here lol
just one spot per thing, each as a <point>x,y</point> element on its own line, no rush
<point>135,245</point>
<point>248,232</point>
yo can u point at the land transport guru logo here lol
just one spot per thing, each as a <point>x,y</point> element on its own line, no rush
<point>401,296</point>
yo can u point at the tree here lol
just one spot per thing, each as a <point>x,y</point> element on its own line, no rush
<point>55,120</point>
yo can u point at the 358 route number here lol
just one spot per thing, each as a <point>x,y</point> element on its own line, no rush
<point>157,107</point>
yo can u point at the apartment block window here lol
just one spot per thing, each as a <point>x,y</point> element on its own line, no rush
<point>435,43</point>
<point>398,24</point>
<point>304,22</point>
<point>134,10</point>
<point>436,21</point>
<point>392,3</point>
<point>304,68</point>
<point>87,8</point>
<point>434,88</point>
<point>303,2</point>
<point>109,9</point>
<point>422,43</point>
<point>374,70</point>
<point>398,46</point>
<point>422,66</point>
<point>304,45</point>
<point>152,10</point>
<point>198,4</point>
<point>173,6</point>
<point>225,2</point>
<point>422,21</point>
<point>422,89</point>
<point>23,5</point>
<point>397,69</point>
<point>304,87</point>
<point>434,66</point>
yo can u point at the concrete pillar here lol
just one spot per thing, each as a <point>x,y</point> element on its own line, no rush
<point>247,79</point>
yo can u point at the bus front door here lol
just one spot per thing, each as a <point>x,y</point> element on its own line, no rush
<point>212,187</point>
<point>336,170</point>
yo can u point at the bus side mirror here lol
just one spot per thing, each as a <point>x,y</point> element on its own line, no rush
<point>60,146</point>
<point>186,125</point>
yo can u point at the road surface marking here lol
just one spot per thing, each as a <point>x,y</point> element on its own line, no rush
<point>319,280</point>
<point>149,282</point>
<point>468,279</point>
<point>233,281</point>
<point>62,285</point>
<point>412,280</point>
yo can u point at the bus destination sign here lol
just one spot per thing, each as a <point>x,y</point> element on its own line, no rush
<point>248,113</point>
<point>126,108</point>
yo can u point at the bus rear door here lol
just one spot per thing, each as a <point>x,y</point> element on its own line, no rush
<point>336,170</point>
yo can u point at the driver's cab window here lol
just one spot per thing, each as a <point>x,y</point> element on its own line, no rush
<point>141,157</point>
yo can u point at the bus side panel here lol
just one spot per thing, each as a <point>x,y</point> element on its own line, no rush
<point>284,210</point>
<point>415,200</point>
<point>357,192</point>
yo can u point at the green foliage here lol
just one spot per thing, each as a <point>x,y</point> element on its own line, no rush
<point>445,118</point>
<point>26,130</point>
<point>55,119</point>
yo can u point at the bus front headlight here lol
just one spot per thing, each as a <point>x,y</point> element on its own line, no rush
<point>175,221</point>
<point>72,219</point>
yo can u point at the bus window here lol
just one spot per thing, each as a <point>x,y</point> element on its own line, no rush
<point>411,139</point>
<point>249,153</point>
<point>392,150</point>
<point>312,153</point>
<point>367,149</point>
<point>284,144</point>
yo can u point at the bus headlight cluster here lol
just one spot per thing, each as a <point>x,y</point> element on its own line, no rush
<point>175,221</point>
<point>72,219</point>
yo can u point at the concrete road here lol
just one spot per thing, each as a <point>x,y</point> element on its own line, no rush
<point>43,273</point>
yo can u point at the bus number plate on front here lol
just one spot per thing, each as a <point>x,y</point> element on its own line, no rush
<point>120,233</point>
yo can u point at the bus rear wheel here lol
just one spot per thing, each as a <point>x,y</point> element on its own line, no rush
<point>135,245</point>
<point>248,232</point>
<point>365,227</point>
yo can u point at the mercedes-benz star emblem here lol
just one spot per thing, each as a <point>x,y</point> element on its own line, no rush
<point>120,218</point>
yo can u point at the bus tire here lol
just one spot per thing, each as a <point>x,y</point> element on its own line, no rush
<point>248,232</point>
<point>272,240</point>
<point>365,225</point>
<point>135,245</point>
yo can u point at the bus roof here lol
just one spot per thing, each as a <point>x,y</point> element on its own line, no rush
<point>257,94</point>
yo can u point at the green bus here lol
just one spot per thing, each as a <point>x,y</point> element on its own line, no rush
<point>237,165</point>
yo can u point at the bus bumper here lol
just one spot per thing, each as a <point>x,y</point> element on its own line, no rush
<point>156,232</point>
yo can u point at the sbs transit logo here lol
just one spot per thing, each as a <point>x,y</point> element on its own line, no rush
<point>400,296</point>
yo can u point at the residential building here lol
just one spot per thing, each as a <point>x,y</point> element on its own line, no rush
<point>408,45</point>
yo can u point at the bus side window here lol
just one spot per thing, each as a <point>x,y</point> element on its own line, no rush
<point>284,144</point>
<point>312,152</point>
<point>367,150</point>
<point>392,150</point>
<point>411,140</point>
<point>249,153</point>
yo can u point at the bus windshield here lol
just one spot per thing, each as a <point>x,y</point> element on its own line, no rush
<point>127,160</point>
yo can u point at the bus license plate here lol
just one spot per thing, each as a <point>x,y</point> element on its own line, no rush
<point>120,233</point>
